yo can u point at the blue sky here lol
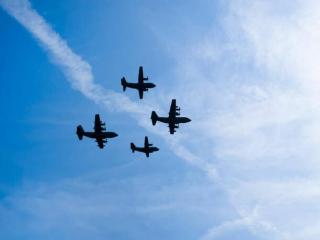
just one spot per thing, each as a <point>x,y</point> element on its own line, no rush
<point>41,153</point>
<point>244,71</point>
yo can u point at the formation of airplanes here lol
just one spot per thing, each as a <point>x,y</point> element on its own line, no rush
<point>173,119</point>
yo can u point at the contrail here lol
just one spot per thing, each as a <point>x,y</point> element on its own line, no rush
<point>77,71</point>
<point>75,68</point>
<point>79,74</point>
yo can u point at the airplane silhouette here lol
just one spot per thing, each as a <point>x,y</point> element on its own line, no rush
<point>173,120</point>
<point>147,149</point>
<point>99,133</point>
<point>141,86</point>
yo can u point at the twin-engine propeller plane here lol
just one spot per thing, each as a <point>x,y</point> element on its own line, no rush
<point>147,149</point>
<point>173,119</point>
<point>141,86</point>
<point>99,133</point>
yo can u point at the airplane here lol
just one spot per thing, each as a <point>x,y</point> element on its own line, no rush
<point>99,133</point>
<point>141,86</point>
<point>173,119</point>
<point>147,149</point>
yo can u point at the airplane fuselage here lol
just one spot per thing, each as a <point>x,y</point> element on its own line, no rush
<point>146,150</point>
<point>173,120</point>
<point>102,135</point>
<point>142,86</point>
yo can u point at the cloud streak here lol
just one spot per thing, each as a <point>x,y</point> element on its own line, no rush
<point>260,89</point>
<point>77,71</point>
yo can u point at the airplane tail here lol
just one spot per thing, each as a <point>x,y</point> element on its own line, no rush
<point>80,132</point>
<point>133,147</point>
<point>124,83</point>
<point>154,117</point>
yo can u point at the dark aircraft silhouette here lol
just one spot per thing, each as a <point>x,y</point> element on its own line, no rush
<point>141,86</point>
<point>99,133</point>
<point>147,149</point>
<point>173,120</point>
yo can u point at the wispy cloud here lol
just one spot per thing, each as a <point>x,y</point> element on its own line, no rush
<point>77,70</point>
<point>260,89</point>
<point>138,206</point>
<point>239,228</point>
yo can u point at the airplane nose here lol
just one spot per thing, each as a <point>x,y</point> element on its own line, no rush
<point>111,135</point>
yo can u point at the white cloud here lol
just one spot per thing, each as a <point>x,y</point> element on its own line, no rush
<point>138,206</point>
<point>260,115</point>
<point>77,70</point>
<point>238,229</point>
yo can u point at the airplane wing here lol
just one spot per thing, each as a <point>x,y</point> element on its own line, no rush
<point>140,77</point>
<point>173,108</point>
<point>97,124</point>
<point>100,142</point>
<point>140,93</point>
<point>172,116</point>
<point>146,142</point>
<point>171,128</point>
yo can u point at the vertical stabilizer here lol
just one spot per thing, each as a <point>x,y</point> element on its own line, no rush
<point>133,147</point>
<point>80,132</point>
<point>123,83</point>
<point>154,117</point>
